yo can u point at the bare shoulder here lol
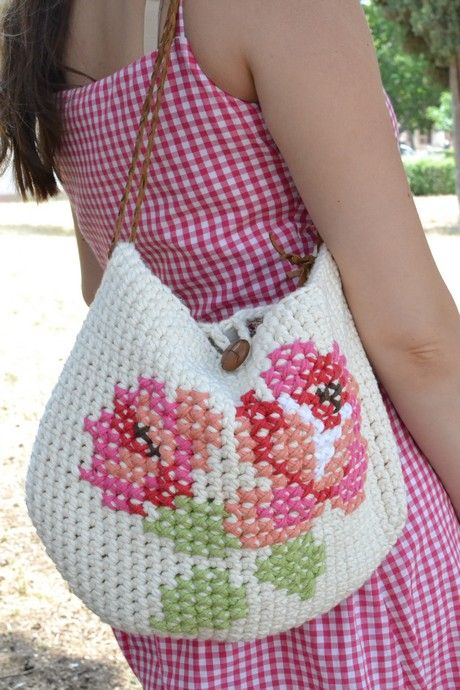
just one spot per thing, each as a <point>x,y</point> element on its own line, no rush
<point>214,29</point>
<point>106,35</point>
<point>103,35</point>
<point>319,86</point>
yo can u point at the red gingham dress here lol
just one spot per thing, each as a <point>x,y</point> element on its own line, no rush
<point>217,185</point>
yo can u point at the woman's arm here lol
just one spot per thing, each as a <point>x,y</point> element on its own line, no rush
<point>318,83</point>
<point>91,272</point>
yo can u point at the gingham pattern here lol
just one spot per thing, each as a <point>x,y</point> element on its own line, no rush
<point>217,171</point>
<point>218,184</point>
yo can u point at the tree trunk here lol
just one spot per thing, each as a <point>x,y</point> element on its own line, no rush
<point>454,78</point>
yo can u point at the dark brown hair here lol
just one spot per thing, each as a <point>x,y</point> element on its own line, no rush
<point>33,35</point>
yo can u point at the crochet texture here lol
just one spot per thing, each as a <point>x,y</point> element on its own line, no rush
<point>180,499</point>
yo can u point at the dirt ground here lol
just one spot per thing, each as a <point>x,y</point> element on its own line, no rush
<point>48,640</point>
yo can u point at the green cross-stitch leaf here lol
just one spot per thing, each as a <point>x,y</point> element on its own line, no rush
<point>207,600</point>
<point>195,528</point>
<point>294,566</point>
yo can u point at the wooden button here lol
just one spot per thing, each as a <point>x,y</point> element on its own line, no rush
<point>235,354</point>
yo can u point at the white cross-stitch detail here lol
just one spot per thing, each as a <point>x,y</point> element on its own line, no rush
<point>324,439</point>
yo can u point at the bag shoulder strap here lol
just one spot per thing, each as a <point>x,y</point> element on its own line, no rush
<point>159,73</point>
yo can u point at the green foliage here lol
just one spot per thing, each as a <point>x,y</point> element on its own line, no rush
<point>443,115</point>
<point>435,23</point>
<point>409,80</point>
<point>428,176</point>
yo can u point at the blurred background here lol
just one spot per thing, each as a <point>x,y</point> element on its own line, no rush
<point>47,639</point>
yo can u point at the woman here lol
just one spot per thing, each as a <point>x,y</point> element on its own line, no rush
<point>270,108</point>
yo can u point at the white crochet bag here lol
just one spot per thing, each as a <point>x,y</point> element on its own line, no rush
<point>190,492</point>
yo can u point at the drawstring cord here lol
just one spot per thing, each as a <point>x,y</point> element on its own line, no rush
<point>304,263</point>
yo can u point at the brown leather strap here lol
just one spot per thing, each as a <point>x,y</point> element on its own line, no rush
<point>160,70</point>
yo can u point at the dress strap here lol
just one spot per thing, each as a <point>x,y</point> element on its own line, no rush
<point>151,26</point>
